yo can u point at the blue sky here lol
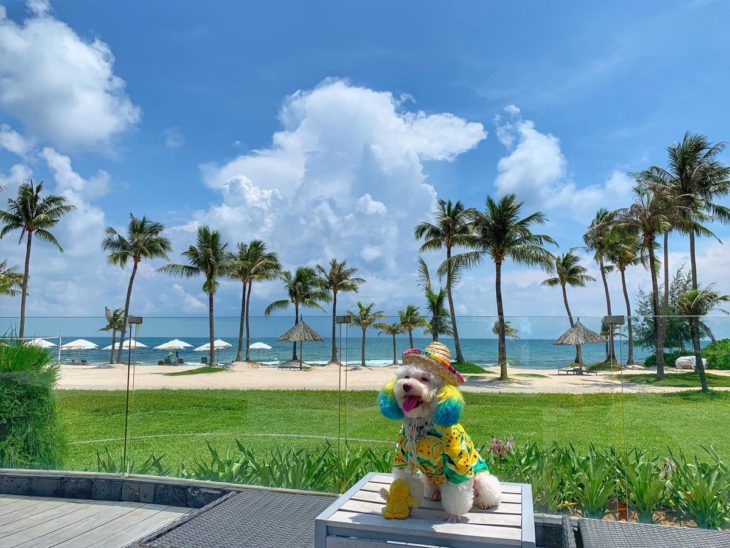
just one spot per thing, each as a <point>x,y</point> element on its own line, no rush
<point>328,128</point>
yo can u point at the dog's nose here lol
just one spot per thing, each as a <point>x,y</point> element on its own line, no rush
<point>406,388</point>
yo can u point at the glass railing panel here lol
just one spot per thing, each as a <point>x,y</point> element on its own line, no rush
<point>62,405</point>
<point>272,420</point>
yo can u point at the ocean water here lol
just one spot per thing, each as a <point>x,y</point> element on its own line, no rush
<point>526,353</point>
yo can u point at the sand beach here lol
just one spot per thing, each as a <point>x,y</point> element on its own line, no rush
<point>247,376</point>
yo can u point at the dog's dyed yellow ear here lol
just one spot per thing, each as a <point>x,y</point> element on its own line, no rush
<point>448,409</point>
<point>388,404</point>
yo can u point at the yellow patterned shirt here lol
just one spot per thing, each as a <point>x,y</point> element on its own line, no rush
<point>442,454</point>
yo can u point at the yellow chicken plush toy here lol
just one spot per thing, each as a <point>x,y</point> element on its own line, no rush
<point>398,501</point>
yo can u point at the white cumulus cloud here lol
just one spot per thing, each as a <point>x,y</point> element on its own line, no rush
<point>344,178</point>
<point>536,170</point>
<point>63,88</point>
<point>14,142</point>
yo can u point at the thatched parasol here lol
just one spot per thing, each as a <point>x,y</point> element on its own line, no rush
<point>299,333</point>
<point>577,335</point>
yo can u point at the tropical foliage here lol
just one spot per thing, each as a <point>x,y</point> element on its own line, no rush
<point>364,317</point>
<point>338,278</point>
<point>305,289</point>
<point>568,271</point>
<point>207,258</point>
<point>143,240</point>
<point>11,281</point>
<point>33,215</point>
<point>114,323</point>
<point>410,318</point>
<point>251,262</point>
<point>440,322</point>
<point>451,228</point>
<point>500,233</point>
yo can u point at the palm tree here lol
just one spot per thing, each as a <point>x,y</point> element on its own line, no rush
<point>501,234</point>
<point>623,249</point>
<point>114,323</point>
<point>391,329</point>
<point>648,217</point>
<point>11,281</point>
<point>440,323</point>
<point>305,290</point>
<point>410,318</point>
<point>364,317</point>
<point>509,331</point>
<point>33,215</point>
<point>208,258</point>
<point>142,241</point>
<point>251,262</point>
<point>595,241</point>
<point>695,178</point>
<point>568,272</point>
<point>450,229</point>
<point>338,278</point>
<point>694,304</point>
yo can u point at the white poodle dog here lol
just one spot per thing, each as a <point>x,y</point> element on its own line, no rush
<point>435,455</point>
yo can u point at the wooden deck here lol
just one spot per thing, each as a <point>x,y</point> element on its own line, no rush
<point>42,521</point>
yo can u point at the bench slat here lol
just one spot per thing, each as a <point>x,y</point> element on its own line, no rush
<point>376,487</point>
<point>514,488</point>
<point>416,529</point>
<point>503,508</point>
<point>436,514</point>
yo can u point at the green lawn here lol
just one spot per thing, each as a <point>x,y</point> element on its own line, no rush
<point>196,371</point>
<point>682,380</point>
<point>178,423</point>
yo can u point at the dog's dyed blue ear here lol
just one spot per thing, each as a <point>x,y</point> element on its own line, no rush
<point>448,409</point>
<point>388,404</point>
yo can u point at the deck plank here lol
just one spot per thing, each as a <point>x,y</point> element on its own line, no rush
<point>100,527</point>
<point>43,522</point>
<point>142,528</point>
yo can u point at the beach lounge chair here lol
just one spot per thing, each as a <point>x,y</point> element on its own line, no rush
<point>84,362</point>
<point>160,362</point>
<point>204,360</point>
<point>180,361</point>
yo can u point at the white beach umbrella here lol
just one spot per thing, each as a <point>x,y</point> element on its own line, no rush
<point>40,343</point>
<point>259,346</point>
<point>127,343</point>
<point>174,344</point>
<point>79,344</point>
<point>217,344</point>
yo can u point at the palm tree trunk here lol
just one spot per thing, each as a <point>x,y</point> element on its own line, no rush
<point>578,353</point>
<point>395,354</point>
<point>630,357</point>
<point>362,349</point>
<point>692,259</point>
<point>333,357</point>
<point>239,350</point>
<point>699,366</point>
<point>248,320</point>
<point>126,311</point>
<point>26,275</point>
<point>410,338</point>
<point>658,336</point>
<point>296,319</point>
<point>611,356</point>
<point>114,340</point>
<point>502,344</point>
<point>211,328</point>
<point>452,312</point>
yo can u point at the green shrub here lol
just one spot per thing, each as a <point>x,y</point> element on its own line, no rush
<point>30,432</point>
<point>717,354</point>
<point>669,357</point>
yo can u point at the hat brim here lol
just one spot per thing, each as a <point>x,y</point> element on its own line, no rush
<point>434,367</point>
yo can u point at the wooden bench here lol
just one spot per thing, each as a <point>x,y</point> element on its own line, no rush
<point>355,521</point>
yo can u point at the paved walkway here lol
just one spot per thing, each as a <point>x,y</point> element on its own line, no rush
<point>45,522</point>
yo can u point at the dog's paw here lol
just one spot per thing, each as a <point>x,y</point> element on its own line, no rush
<point>483,505</point>
<point>453,518</point>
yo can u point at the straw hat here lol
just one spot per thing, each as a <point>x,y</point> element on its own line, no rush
<point>436,358</point>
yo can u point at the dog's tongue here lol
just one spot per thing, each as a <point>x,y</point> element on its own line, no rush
<point>410,402</point>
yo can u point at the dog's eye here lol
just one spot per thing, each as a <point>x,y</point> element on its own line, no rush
<point>424,379</point>
<point>407,377</point>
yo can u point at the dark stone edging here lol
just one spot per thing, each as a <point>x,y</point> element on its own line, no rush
<point>115,487</point>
